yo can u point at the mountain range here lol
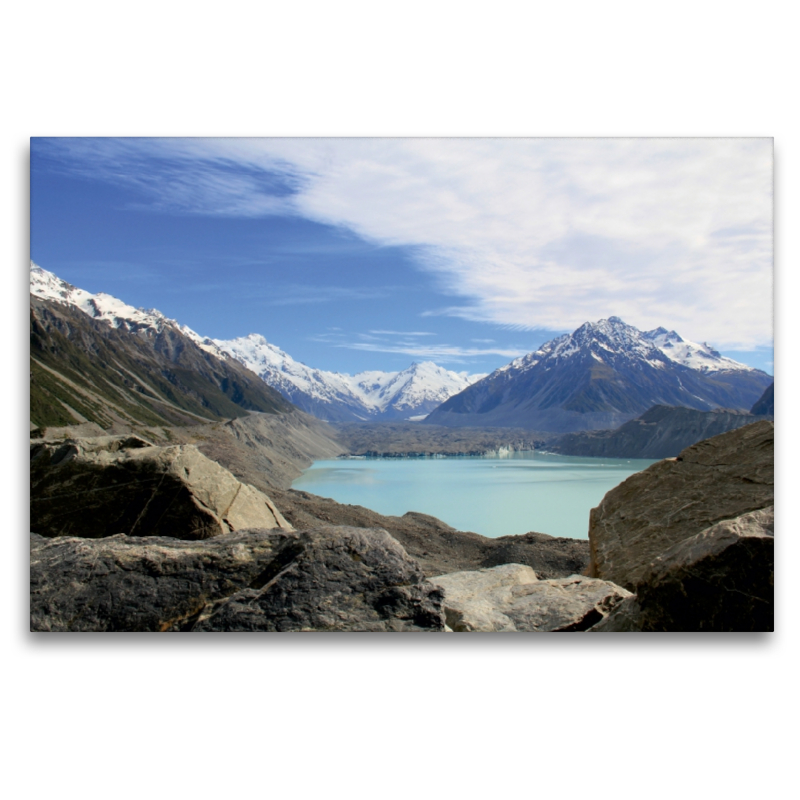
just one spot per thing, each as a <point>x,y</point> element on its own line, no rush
<point>339,397</point>
<point>600,376</point>
<point>331,396</point>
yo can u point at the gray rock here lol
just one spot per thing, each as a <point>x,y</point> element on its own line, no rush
<point>624,618</point>
<point>717,479</point>
<point>334,578</point>
<point>722,579</point>
<point>122,484</point>
<point>511,598</point>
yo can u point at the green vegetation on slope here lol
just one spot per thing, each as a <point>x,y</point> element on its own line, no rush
<point>105,374</point>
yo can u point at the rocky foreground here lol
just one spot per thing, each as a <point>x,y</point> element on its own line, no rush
<point>172,541</point>
<point>327,579</point>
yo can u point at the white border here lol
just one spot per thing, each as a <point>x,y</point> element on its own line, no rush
<point>126,715</point>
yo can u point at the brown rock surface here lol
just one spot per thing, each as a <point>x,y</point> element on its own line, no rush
<point>722,579</point>
<point>106,485</point>
<point>717,479</point>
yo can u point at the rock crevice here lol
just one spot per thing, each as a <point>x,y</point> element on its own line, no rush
<point>331,578</point>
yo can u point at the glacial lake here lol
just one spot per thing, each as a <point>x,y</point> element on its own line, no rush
<point>493,496</point>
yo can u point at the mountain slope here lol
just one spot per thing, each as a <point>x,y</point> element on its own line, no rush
<point>85,370</point>
<point>339,397</point>
<point>661,432</point>
<point>106,308</point>
<point>766,403</point>
<point>600,376</point>
<point>331,396</point>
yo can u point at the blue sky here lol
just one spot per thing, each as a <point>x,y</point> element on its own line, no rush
<point>369,254</point>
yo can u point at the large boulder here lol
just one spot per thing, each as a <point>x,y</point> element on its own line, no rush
<point>722,579</point>
<point>511,598</point>
<point>106,485</point>
<point>331,579</point>
<point>674,500</point>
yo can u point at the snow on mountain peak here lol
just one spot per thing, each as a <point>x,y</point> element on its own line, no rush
<point>701,357</point>
<point>422,385</point>
<point>419,388</point>
<point>107,308</point>
<point>612,339</point>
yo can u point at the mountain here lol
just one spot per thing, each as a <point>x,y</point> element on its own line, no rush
<point>601,376</point>
<point>106,308</point>
<point>84,370</point>
<point>331,396</point>
<point>661,432</point>
<point>339,397</point>
<point>766,403</point>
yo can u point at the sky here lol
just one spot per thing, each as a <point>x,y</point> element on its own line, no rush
<point>354,254</point>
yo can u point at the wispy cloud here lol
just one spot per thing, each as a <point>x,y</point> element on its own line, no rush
<point>300,294</point>
<point>188,176</point>
<point>403,333</point>
<point>443,351</point>
<point>527,233</point>
<point>375,342</point>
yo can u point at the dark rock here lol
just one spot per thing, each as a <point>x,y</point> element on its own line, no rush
<point>624,618</point>
<point>673,500</point>
<point>122,484</point>
<point>549,556</point>
<point>333,578</point>
<point>722,579</point>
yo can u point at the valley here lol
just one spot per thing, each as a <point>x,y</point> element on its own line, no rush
<point>124,400</point>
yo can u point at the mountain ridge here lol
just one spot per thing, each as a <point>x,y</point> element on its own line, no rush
<point>600,376</point>
<point>661,432</point>
<point>83,370</point>
<point>331,396</point>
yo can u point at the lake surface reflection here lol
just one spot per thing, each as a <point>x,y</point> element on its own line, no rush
<point>493,496</point>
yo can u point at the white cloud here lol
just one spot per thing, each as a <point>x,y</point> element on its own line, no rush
<point>443,351</point>
<point>529,233</point>
<point>373,342</point>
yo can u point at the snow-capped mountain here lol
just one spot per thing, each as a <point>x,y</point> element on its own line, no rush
<point>600,376</point>
<point>701,357</point>
<point>105,307</point>
<point>613,338</point>
<point>337,396</point>
<point>331,396</point>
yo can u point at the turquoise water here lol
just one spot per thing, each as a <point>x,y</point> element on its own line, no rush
<point>492,496</point>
